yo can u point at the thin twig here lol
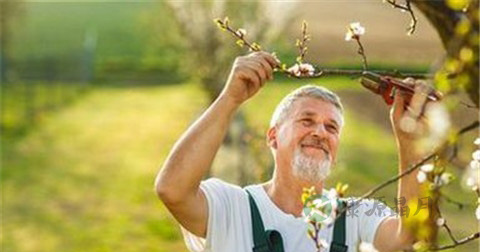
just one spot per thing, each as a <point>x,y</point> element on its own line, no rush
<point>468,105</point>
<point>408,8</point>
<point>460,205</point>
<point>413,22</point>
<point>449,231</point>
<point>455,144</point>
<point>468,128</point>
<point>301,44</point>
<point>226,26</point>
<point>361,51</point>
<point>459,242</point>
<point>317,233</point>
<point>322,72</point>
<point>397,6</point>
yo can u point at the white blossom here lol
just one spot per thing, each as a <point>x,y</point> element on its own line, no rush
<point>477,213</point>
<point>354,31</point>
<point>438,123</point>
<point>241,32</point>
<point>475,165</point>
<point>472,175</point>
<point>302,69</point>
<point>442,180</point>
<point>445,178</point>
<point>472,183</point>
<point>440,222</point>
<point>367,247</point>
<point>332,194</point>
<point>421,177</point>
<point>323,243</point>
<point>477,141</point>
<point>427,168</point>
<point>476,155</point>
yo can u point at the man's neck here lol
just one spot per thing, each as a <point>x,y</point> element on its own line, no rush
<point>286,193</point>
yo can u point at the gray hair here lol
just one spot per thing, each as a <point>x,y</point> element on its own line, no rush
<point>311,91</point>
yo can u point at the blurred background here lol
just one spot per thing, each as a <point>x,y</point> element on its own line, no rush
<point>95,93</point>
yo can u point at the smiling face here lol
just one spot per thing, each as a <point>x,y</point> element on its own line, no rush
<point>307,140</point>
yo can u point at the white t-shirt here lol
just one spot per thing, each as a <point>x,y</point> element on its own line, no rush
<point>230,228</point>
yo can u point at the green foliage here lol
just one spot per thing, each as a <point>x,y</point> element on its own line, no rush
<point>126,39</point>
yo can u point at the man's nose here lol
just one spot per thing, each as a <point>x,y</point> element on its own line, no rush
<point>319,130</point>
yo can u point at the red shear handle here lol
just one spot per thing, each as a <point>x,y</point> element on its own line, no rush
<point>386,91</point>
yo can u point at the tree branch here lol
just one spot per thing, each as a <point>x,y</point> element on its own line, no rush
<point>302,44</point>
<point>408,8</point>
<point>459,242</point>
<point>361,51</point>
<point>413,23</point>
<point>355,72</point>
<point>460,205</point>
<point>449,231</point>
<point>468,128</point>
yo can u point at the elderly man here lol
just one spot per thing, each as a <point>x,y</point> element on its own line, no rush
<point>304,137</point>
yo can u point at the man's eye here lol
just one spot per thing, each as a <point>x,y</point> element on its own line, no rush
<point>332,128</point>
<point>307,122</point>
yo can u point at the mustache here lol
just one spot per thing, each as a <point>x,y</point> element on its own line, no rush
<point>316,143</point>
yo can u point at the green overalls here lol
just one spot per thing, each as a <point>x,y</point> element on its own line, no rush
<point>271,240</point>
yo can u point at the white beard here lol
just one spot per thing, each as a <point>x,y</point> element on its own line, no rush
<point>310,169</point>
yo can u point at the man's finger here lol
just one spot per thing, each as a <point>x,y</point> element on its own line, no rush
<point>258,69</point>
<point>272,60</point>
<point>250,76</point>
<point>266,68</point>
<point>398,104</point>
<point>409,80</point>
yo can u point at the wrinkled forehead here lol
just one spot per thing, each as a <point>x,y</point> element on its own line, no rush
<point>313,107</point>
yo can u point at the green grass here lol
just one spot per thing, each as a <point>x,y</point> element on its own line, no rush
<point>26,103</point>
<point>82,180</point>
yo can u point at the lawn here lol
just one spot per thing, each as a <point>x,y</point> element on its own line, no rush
<point>82,180</point>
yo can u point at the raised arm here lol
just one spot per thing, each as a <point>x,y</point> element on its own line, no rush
<point>392,234</point>
<point>177,183</point>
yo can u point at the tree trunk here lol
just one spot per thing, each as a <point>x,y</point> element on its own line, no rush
<point>444,20</point>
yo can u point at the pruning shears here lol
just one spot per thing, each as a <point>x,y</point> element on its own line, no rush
<point>385,86</point>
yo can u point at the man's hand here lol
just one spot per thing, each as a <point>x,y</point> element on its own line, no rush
<point>407,115</point>
<point>249,73</point>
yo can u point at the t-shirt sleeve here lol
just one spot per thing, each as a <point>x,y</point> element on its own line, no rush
<point>372,213</point>
<point>219,198</point>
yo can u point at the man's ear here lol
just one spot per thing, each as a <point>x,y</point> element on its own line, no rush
<point>272,137</point>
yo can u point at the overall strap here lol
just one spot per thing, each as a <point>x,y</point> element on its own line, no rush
<point>339,230</point>
<point>263,241</point>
